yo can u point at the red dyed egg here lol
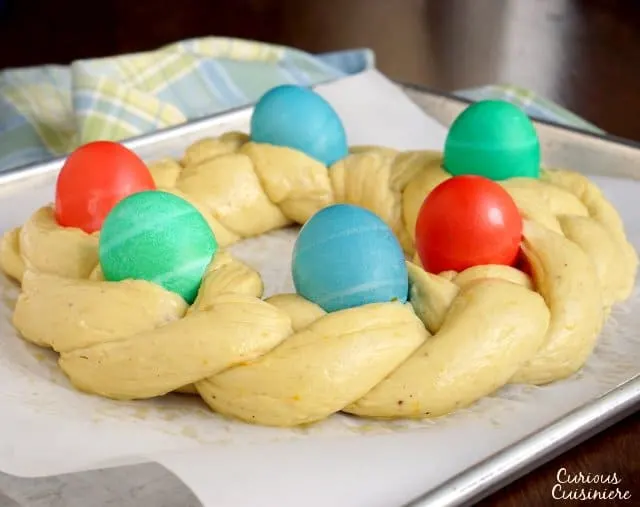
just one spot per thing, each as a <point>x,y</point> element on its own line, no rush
<point>94,178</point>
<point>468,221</point>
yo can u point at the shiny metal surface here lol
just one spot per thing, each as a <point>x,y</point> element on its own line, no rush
<point>488,476</point>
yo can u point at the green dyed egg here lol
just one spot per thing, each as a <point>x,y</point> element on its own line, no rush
<point>494,139</point>
<point>158,237</point>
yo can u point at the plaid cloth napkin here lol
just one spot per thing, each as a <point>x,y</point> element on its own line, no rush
<point>50,110</point>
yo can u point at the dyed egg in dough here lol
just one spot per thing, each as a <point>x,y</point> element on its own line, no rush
<point>158,237</point>
<point>93,179</point>
<point>299,118</point>
<point>494,139</point>
<point>346,256</point>
<point>468,221</point>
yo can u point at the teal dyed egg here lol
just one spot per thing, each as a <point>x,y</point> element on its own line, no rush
<point>158,237</point>
<point>345,256</point>
<point>494,139</point>
<point>300,119</point>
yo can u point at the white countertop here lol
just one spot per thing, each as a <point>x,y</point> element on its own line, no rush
<point>148,485</point>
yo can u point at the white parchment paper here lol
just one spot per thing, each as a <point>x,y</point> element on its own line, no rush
<point>48,428</point>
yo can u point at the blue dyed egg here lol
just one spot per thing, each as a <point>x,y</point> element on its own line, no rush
<point>299,118</point>
<point>346,256</point>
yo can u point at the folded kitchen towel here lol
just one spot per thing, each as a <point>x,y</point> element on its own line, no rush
<point>48,111</point>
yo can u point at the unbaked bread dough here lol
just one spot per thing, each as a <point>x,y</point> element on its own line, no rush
<point>283,361</point>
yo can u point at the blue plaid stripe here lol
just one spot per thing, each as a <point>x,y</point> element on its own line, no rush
<point>186,80</point>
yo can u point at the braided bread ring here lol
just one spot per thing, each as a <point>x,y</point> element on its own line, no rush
<point>284,362</point>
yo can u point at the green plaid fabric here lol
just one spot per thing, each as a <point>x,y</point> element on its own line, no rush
<point>50,110</point>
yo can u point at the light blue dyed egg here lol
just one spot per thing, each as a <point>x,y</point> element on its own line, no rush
<point>299,118</point>
<point>346,256</point>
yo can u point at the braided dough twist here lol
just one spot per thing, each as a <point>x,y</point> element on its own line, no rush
<point>282,361</point>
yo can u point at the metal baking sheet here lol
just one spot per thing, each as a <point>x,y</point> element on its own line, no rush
<point>594,154</point>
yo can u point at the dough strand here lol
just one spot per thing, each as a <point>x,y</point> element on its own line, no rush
<point>283,361</point>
